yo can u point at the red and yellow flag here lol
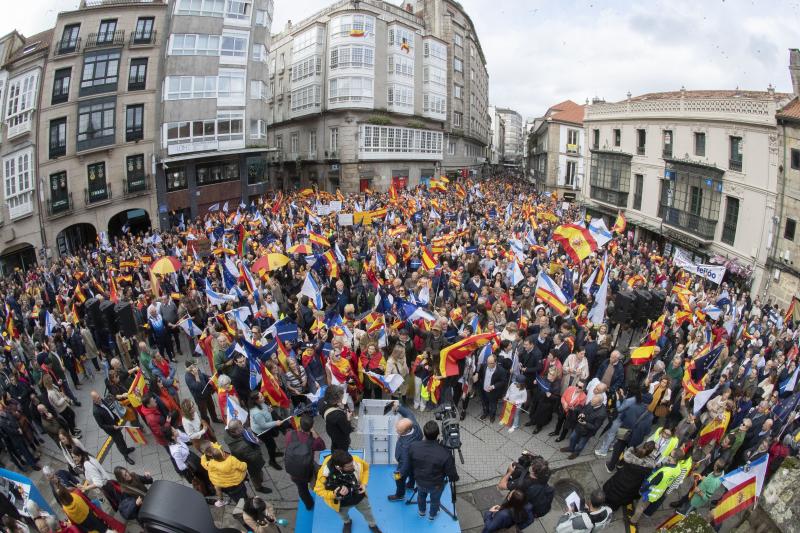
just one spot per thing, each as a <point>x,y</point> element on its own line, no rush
<point>620,224</point>
<point>737,499</point>
<point>136,435</point>
<point>576,240</point>
<point>714,430</point>
<point>643,353</point>
<point>509,411</point>
<point>428,261</point>
<point>271,389</point>
<point>450,355</point>
<point>670,522</point>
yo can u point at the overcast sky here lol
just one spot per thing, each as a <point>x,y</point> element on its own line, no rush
<point>540,52</point>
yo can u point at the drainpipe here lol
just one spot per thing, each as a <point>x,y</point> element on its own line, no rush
<point>782,197</point>
<point>35,162</point>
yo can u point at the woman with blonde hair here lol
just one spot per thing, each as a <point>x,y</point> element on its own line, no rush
<point>397,365</point>
<point>195,427</point>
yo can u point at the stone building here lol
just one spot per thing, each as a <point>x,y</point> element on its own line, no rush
<point>555,157</point>
<point>694,170</point>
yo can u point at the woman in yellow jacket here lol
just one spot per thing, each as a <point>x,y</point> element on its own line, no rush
<point>226,473</point>
<point>342,483</point>
<point>666,441</point>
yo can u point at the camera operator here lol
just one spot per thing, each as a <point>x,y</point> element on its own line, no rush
<point>342,483</point>
<point>431,463</point>
<point>337,418</point>
<point>517,475</point>
<point>408,432</point>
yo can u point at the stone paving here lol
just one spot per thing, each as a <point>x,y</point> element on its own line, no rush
<point>487,449</point>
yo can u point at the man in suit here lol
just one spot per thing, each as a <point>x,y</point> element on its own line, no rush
<point>107,421</point>
<point>408,432</point>
<point>493,381</point>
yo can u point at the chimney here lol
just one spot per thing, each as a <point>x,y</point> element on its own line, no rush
<point>794,69</point>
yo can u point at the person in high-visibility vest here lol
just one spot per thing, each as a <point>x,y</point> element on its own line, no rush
<point>657,483</point>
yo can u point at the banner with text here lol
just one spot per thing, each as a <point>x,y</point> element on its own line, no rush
<point>714,273</point>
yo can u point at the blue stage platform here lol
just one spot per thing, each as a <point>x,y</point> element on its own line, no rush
<point>392,517</point>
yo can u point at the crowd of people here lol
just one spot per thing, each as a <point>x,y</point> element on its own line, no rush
<point>280,311</point>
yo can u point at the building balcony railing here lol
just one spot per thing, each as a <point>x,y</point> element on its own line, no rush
<point>735,165</point>
<point>640,150</point>
<point>667,152</point>
<point>683,220</point>
<point>105,39</point>
<point>67,46</point>
<point>609,196</point>
<point>138,39</point>
<point>96,197</point>
<point>57,150</point>
<point>136,185</point>
<point>573,149</point>
<point>60,206</point>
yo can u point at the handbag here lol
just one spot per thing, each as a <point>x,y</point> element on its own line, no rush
<point>624,434</point>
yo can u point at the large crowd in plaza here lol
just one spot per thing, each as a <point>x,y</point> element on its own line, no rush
<point>302,305</point>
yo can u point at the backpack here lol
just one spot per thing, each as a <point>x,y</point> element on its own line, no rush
<point>298,460</point>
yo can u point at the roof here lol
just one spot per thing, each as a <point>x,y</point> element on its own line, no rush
<point>735,93</point>
<point>791,110</point>
<point>566,111</point>
<point>40,41</point>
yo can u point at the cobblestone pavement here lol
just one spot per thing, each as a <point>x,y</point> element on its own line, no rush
<point>487,449</point>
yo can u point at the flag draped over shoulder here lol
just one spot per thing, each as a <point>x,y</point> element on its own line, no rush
<point>577,241</point>
<point>271,389</point>
<point>450,355</point>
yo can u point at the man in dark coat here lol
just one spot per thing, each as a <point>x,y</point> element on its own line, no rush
<point>637,419</point>
<point>246,447</point>
<point>408,432</point>
<point>590,418</point>
<point>202,392</point>
<point>107,420</point>
<point>493,382</point>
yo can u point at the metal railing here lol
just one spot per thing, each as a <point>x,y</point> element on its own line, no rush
<point>735,164</point>
<point>60,207</point>
<point>109,38</point>
<point>702,227</point>
<point>67,46</point>
<point>57,150</point>
<point>100,196</point>
<point>667,151</point>
<point>136,185</point>
<point>640,150</point>
<point>142,38</point>
<point>609,196</point>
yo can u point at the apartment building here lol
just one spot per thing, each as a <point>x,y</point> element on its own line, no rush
<point>213,136</point>
<point>512,155</point>
<point>497,138</point>
<point>694,170</point>
<point>22,230</point>
<point>359,99</point>
<point>555,157</point>
<point>99,121</point>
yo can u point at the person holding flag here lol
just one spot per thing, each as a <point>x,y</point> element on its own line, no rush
<point>515,398</point>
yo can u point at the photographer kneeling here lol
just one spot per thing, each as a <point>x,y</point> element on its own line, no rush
<point>431,463</point>
<point>342,483</point>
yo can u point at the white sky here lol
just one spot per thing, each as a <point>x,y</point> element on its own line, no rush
<point>540,52</point>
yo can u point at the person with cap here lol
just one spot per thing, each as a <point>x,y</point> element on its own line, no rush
<point>202,391</point>
<point>516,395</point>
<point>408,432</point>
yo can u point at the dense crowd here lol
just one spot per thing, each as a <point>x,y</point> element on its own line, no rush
<point>282,310</point>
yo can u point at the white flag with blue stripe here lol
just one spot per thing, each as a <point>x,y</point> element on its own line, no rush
<point>217,298</point>
<point>50,323</point>
<point>598,230</point>
<point>311,289</point>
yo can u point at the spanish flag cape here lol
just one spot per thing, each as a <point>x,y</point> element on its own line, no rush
<point>340,369</point>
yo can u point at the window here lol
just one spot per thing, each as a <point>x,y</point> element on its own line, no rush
<point>458,92</point>
<point>98,187</point>
<point>695,200</point>
<point>186,87</point>
<point>135,180</point>
<point>21,102</point>
<point>731,218</point>
<point>282,64</point>
<point>230,126</point>
<point>233,45</point>
<point>434,103</point>
<point>354,56</point>
<point>279,142</point>
<point>238,9</point>
<point>258,90</point>
<point>350,89</point>
<point>458,65</point>
<point>399,140</point>
<point>100,73</point>
<point>260,53</point>
<point>699,144</point>
<point>189,44</point>
<point>788,230</point>
<point>638,187</point>
<point>400,96</point>
<point>134,122</point>
<point>256,170</point>
<point>609,178</point>
<point>735,162</point>
<point>19,182</point>
<point>451,148</point>
<point>294,143</point>
<point>401,38</point>
<point>617,137</point>
<point>569,178</point>
<point>596,139</point>
<point>667,145</point>
<point>334,139</point>
<point>457,119</point>
<point>262,18</point>
<point>58,137</point>
<point>59,195</point>
<point>95,124</point>
<point>205,8</point>
<point>309,38</point>
<point>572,141</point>
<point>61,79</point>
<point>306,98</point>
<point>176,179</point>
<point>258,129</point>
<point>217,172</point>
<point>144,30</point>
<point>310,66</point>
<point>231,83</point>
<point>312,143</point>
<point>435,50</point>
<point>400,66</point>
<point>458,40</point>
<point>795,156</point>
<point>353,25</point>
<point>69,39</point>
<point>105,34</point>
<point>641,141</point>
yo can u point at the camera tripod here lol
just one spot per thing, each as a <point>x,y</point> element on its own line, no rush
<point>452,514</point>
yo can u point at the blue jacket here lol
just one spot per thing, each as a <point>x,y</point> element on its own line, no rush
<point>638,419</point>
<point>503,519</point>
<point>404,442</point>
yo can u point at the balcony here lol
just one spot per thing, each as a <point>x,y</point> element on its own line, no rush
<point>640,150</point>
<point>97,197</point>
<point>609,196</point>
<point>689,222</point>
<point>19,125</point>
<point>60,207</point>
<point>136,185</point>
<point>573,149</point>
<point>57,150</point>
<point>735,165</point>
<point>142,39</point>
<point>68,46</point>
<point>108,39</point>
<point>134,134</point>
<point>667,152</point>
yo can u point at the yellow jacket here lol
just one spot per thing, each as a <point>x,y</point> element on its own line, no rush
<point>361,472</point>
<point>226,473</point>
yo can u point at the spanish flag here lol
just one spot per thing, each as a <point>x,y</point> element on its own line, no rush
<point>137,390</point>
<point>136,435</point>
<point>643,353</point>
<point>333,267</point>
<point>392,193</point>
<point>318,239</point>
<point>550,293</point>
<point>509,411</point>
<point>428,261</point>
<point>271,389</point>
<point>79,293</point>
<point>577,242</point>
<point>620,224</point>
<point>283,355</point>
<point>690,386</point>
<point>112,289</point>
<point>450,355</point>
<point>657,328</point>
<point>670,522</point>
<point>735,500</point>
<point>11,328</point>
<point>793,313</point>
<point>714,430</point>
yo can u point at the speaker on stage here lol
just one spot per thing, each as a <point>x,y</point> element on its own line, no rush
<point>108,317</point>
<point>91,314</point>
<point>659,299</point>
<point>126,319</point>
<point>643,303</point>
<point>624,306</point>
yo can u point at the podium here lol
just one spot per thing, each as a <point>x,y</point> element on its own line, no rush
<point>378,436</point>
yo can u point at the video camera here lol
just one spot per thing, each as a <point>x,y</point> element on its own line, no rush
<point>447,416</point>
<point>337,479</point>
<point>521,465</point>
